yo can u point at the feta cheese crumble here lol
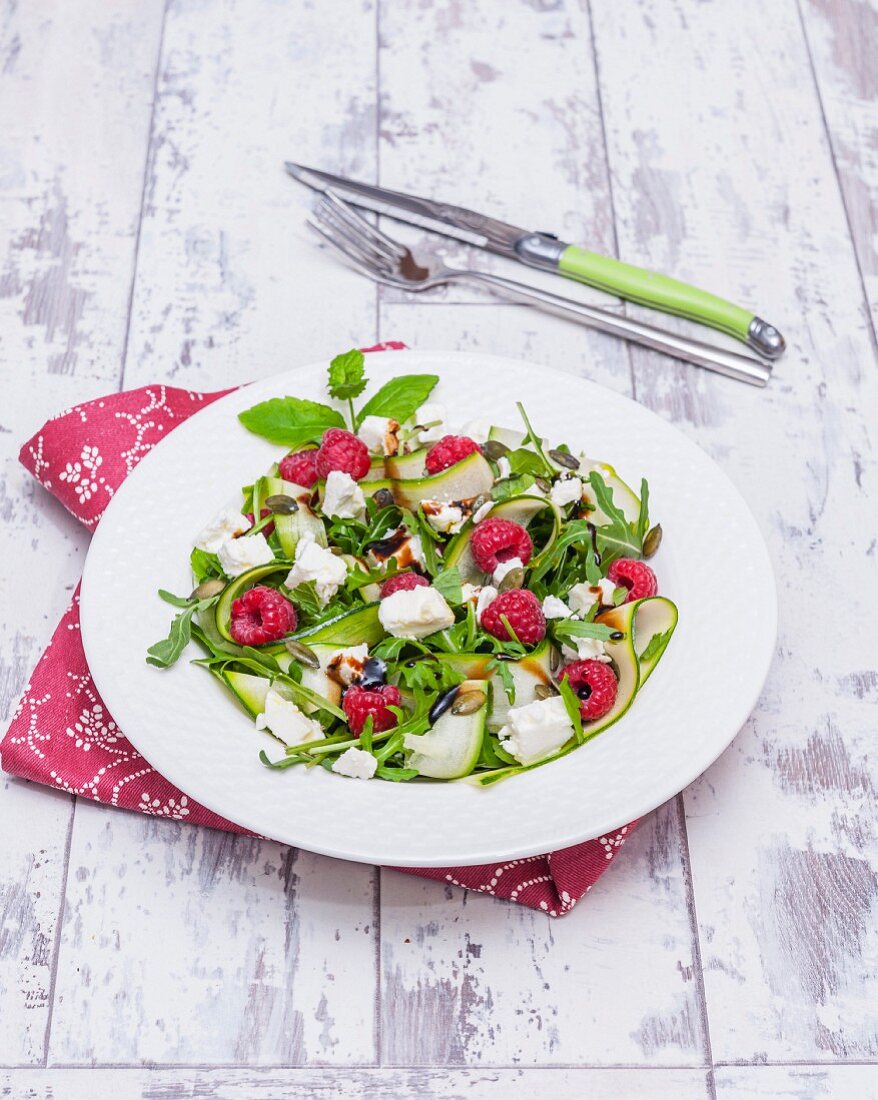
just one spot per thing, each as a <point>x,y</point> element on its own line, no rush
<point>503,468</point>
<point>427,414</point>
<point>582,597</point>
<point>346,665</point>
<point>487,595</point>
<point>536,730</point>
<point>415,613</point>
<point>399,544</point>
<point>587,649</point>
<point>380,435</point>
<point>482,511</point>
<point>343,498</point>
<point>286,721</point>
<point>555,608</point>
<point>356,763</point>
<point>237,556</point>
<point>565,491</point>
<point>447,519</point>
<point>317,563</point>
<point>506,567</point>
<point>227,525</point>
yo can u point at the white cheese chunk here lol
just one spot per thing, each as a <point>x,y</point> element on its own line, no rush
<point>536,730</point>
<point>487,595</point>
<point>427,414</point>
<point>317,563</point>
<point>505,567</point>
<point>286,721</point>
<point>237,556</point>
<point>447,519</point>
<point>227,525</point>
<point>356,763</point>
<point>482,511</point>
<point>470,592</point>
<point>555,608</point>
<point>587,649</point>
<point>503,468</point>
<point>346,665</point>
<point>565,491</point>
<point>343,498</point>
<point>582,597</point>
<point>380,434</point>
<point>415,613</point>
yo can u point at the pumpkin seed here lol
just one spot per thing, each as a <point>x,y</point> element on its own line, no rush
<point>545,691</point>
<point>541,483</point>
<point>281,504</point>
<point>652,541</point>
<point>513,579</point>
<point>383,498</point>
<point>494,449</point>
<point>564,459</point>
<point>302,653</point>
<point>468,702</point>
<point>207,589</point>
<point>555,659</point>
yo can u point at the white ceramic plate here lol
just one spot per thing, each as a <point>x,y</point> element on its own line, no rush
<point>713,564</point>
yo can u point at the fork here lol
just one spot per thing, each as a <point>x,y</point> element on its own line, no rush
<point>381,258</point>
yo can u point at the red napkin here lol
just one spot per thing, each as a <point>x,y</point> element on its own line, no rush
<point>61,734</point>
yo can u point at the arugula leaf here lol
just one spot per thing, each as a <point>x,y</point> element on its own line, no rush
<point>367,732</point>
<point>620,595</point>
<point>524,461</point>
<point>616,538</point>
<point>513,486</point>
<point>347,375</point>
<point>307,695</point>
<point>535,440</point>
<point>290,421</point>
<point>571,702</point>
<point>174,601</point>
<point>204,565</point>
<point>448,583</point>
<point>643,518</point>
<point>399,398</point>
<point>166,652</point>
<point>575,628</point>
<point>655,645</point>
<point>396,775</point>
<point>592,569</point>
<point>504,672</point>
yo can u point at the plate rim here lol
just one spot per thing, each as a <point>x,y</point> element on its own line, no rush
<point>768,616</point>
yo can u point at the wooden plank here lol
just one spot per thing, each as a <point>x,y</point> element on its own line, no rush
<point>364,1084</point>
<point>724,177</point>
<point>75,96</point>
<point>188,945</point>
<point>228,288</point>
<point>800,1082</point>
<point>841,36</point>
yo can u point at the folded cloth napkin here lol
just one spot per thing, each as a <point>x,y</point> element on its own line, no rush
<point>61,734</point>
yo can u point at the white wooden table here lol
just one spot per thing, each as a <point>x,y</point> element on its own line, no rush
<point>149,233</point>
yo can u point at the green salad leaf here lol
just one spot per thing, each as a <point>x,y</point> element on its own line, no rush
<point>291,421</point>
<point>399,398</point>
<point>347,375</point>
<point>655,645</point>
<point>616,538</point>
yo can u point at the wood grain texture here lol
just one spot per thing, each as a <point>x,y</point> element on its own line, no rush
<point>73,128</point>
<point>784,854</point>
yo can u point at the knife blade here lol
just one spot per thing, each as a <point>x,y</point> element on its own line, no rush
<point>545,251</point>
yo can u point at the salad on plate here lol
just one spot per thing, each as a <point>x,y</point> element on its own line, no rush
<point>402,600</point>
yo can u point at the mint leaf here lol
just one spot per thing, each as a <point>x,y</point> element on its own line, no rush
<point>290,421</point>
<point>400,397</point>
<point>448,584</point>
<point>347,375</point>
<point>655,645</point>
<point>571,702</point>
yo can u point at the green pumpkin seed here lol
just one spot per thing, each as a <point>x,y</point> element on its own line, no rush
<point>545,691</point>
<point>513,579</point>
<point>541,483</point>
<point>652,541</point>
<point>468,702</point>
<point>494,450</point>
<point>562,458</point>
<point>383,498</point>
<point>207,589</point>
<point>302,653</point>
<point>281,504</point>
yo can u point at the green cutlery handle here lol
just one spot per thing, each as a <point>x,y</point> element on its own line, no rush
<point>648,288</point>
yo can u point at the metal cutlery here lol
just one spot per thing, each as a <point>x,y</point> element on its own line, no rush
<point>544,250</point>
<point>387,261</point>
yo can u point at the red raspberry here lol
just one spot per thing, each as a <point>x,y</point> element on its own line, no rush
<point>636,576</point>
<point>261,615</point>
<point>300,467</point>
<point>402,582</point>
<point>595,684</point>
<point>360,702</point>
<point>496,540</point>
<point>449,450</point>
<point>522,611</point>
<point>342,451</point>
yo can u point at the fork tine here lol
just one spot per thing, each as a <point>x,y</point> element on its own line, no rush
<point>359,224</point>
<point>340,230</point>
<point>353,259</point>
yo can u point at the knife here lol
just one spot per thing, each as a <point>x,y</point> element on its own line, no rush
<point>544,250</point>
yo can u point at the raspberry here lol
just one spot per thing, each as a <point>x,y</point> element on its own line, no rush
<point>261,615</point>
<point>449,450</point>
<point>595,684</point>
<point>360,702</point>
<point>402,582</point>
<point>496,540</point>
<point>636,576</point>
<point>300,467</point>
<point>522,611</point>
<point>342,451</point>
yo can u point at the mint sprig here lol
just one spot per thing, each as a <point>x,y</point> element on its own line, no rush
<point>347,378</point>
<point>399,398</point>
<point>291,421</point>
